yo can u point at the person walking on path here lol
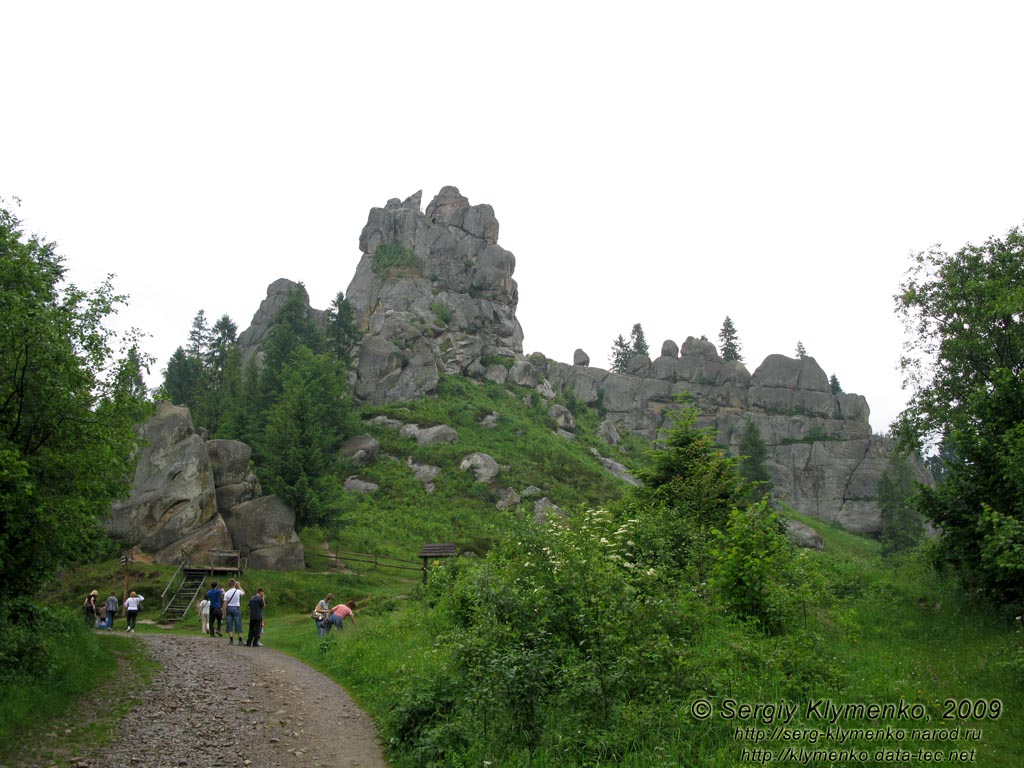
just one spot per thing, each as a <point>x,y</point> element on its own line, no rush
<point>132,606</point>
<point>216,598</point>
<point>89,608</point>
<point>112,606</point>
<point>339,612</point>
<point>256,605</point>
<point>204,615</point>
<point>233,607</point>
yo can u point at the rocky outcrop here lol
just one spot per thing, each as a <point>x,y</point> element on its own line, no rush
<point>447,306</point>
<point>449,310</point>
<point>824,459</point>
<point>251,339</point>
<point>191,497</point>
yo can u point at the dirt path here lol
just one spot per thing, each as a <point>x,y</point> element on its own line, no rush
<point>219,705</point>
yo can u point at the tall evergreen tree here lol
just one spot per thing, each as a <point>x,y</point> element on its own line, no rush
<point>183,378</point>
<point>902,525</point>
<point>729,340</point>
<point>621,352</point>
<point>199,337</point>
<point>637,341</point>
<point>342,333</point>
<point>833,384</point>
<point>801,350</point>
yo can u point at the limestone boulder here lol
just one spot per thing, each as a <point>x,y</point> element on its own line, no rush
<point>229,460</point>
<point>562,417</point>
<point>436,435</point>
<point>229,496</point>
<point>184,489</point>
<point>173,493</point>
<point>484,467</point>
<point>354,485</point>
<point>803,535</point>
<point>361,450</point>
<point>425,473</point>
<point>263,530</point>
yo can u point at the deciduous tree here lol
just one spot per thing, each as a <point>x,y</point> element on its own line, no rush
<point>70,397</point>
<point>963,364</point>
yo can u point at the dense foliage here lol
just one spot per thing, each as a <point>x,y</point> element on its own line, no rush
<point>964,363</point>
<point>290,402</point>
<point>573,642</point>
<point>70,396</point>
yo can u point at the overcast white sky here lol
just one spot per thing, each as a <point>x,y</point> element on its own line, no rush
<point>661,163</point>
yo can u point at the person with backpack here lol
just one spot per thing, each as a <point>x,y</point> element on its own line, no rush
<point>216,598</point>
<point>233,609</point>
<point>112,605</point>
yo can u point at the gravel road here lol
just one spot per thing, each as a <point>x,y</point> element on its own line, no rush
<point>215,705</point>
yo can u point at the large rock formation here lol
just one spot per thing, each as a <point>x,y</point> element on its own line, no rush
<point>191,497</point>
<point>824,460</point>
<point>450,309</point>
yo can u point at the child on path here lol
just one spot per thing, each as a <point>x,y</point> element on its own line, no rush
<point>204,615</point>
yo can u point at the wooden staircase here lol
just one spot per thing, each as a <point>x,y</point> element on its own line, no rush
<point>186,593</point>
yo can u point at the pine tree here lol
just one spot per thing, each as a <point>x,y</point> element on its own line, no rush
<point>342,333</point>
<point>729,340</point>
<point>801,351</point>
<point>637,341</point>
<point>833,382</point>
<point>621,352</point>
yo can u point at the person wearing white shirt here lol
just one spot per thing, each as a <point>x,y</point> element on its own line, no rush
<point>233,609</point>
<point>131,609</point>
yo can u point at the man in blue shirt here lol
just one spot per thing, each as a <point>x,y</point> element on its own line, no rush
<point>216,598</point>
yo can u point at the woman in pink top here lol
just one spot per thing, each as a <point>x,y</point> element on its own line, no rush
<point>339,612</point>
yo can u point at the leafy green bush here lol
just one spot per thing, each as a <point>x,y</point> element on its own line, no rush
<point>392,256</point>
<point>754,566</point>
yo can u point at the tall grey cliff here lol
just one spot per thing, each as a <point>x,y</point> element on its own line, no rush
<point>451,310</point>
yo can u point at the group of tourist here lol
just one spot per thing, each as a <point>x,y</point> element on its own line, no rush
<point>101,615</point>
<point>220,604</point>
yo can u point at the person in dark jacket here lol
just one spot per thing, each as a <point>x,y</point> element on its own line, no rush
<point>256,604</point>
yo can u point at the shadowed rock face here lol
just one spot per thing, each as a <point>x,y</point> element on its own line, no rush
<point>185,487</point>
<point>451,310</point>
